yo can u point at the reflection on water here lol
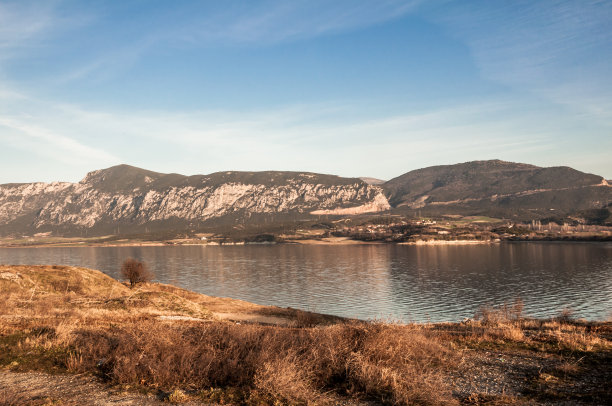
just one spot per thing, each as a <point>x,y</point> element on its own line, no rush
<point>407,283</point>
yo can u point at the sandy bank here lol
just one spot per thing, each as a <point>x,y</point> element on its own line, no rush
<point>450,242</point>
<point>334,241</point>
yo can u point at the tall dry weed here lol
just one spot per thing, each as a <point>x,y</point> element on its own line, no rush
<point>285,378</point>
<point>504,314</point>
<point>391,364</point>
<point>401,366</point>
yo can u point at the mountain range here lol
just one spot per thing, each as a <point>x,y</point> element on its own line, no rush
<point>126,199</point>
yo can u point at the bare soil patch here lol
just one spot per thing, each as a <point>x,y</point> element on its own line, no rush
<point>37,388</point>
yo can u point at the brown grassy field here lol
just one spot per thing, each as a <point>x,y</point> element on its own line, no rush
<point>187,347</point>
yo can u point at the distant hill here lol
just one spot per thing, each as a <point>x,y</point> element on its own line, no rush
<point>498,188</point>
<point>372,181</point>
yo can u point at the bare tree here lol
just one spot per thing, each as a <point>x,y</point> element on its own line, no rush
<point>135,271</point>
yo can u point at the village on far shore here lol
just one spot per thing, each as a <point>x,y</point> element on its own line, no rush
<point>381,229</point>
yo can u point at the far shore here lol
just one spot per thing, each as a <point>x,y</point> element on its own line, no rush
<point>451,242</point>
<point>324,241</point>
<point>68,242</point>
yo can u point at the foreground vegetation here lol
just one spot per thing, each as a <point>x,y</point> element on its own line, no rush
<point>182,346</point>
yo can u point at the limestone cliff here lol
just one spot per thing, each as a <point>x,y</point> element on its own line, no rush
<point>127,196</point>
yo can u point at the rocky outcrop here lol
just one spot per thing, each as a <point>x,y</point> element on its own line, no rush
<point>379,203</point>
<point>126,195</point>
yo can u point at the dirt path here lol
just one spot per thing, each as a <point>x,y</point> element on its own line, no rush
<point>40,389</point>
<point>35,388</point>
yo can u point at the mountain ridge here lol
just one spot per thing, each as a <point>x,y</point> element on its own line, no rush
<point>141,200</point>
<point>127,196</point>
<point>494,180</point>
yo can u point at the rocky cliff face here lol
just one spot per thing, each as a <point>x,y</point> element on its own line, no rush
<point>127,196</point>
<point>124,199</point>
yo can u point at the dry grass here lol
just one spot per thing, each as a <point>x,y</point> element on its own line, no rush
<point>504,314</point>
<point>58,323</point>
<point>568,368</point>
<point>393,364</point>
<point>76,320</point>
<point>505,323</point>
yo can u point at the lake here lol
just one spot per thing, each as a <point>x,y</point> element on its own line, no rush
<point>391,282</point>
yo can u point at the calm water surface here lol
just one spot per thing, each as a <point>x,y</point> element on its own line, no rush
<point>407,283</point>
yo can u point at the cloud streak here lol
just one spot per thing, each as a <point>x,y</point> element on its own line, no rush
<point>252,24</point>
<point>57,146</point>
<point>559,50</point>
<point>290,21</point>
<point>20,22</point>
<point>325,138</point>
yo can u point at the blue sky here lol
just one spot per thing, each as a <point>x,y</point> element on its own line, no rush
<point>349,87</point>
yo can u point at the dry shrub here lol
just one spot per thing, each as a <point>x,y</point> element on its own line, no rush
<point>306,319</point>
<point>284,378</point>
<point>173,355</point>
<point>135,271</point>
<point>577,340</point>
<point>565,316</point>
<point>392,364</point>
<point>400,366</point>
<point>74,362</point>
<point>568,368</point>
<point>503,322</point>
<point>504,314</point>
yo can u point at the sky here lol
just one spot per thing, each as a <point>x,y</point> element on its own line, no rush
<point>346,87</point>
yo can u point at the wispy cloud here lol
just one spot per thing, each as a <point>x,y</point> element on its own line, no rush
<point>25,25</point>
<point>539,50</point>
<point>55,145</point>
<point>273,22</point>
<point>331,137</point>
<point>559,50</point>
<point>20,22</point>
<point>27,124</point>
<point>108,65</point>
<point>257,23</point>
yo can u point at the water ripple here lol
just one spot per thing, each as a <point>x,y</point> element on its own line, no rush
<point>438,283</point>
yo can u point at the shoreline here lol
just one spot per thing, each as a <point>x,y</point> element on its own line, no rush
<point>451,242</point>
<point>328,241</point>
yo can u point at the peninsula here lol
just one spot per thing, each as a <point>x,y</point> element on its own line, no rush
<point>72,333</point>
